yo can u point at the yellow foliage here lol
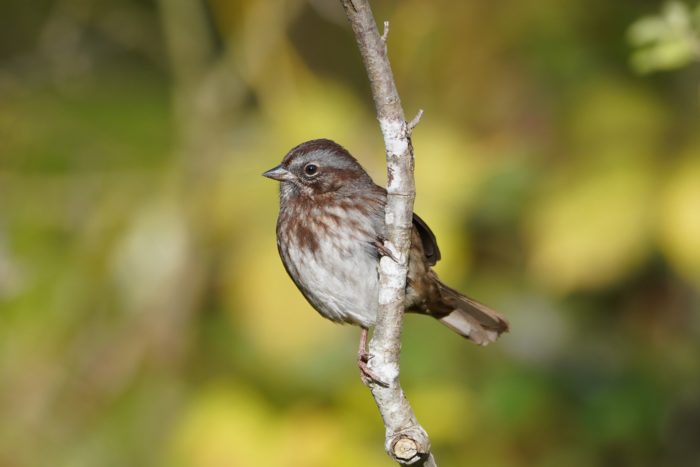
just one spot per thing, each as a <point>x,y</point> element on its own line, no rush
<point>447,412</point>
<point>448,171</point>
<point>592,230</point>
<point>228,425</point>
<point>224,426</point>
<point>616,120</point>
<point>679,226</point>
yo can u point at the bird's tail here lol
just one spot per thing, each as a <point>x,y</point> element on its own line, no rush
<point>469,318</point>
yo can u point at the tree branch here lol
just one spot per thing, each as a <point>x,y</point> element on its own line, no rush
<point>406,441</point>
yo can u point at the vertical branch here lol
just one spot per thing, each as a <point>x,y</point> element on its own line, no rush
<point>406,441</point>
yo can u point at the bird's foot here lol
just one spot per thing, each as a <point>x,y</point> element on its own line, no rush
<point>382,250</point>
<point>366,375</point>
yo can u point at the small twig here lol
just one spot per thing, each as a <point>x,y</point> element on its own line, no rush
<point>415,120</point>
<point>385,33</point>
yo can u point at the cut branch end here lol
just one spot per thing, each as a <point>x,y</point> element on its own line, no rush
<point>405,449</point>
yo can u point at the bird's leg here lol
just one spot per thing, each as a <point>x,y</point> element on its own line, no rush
<point>363,356</point>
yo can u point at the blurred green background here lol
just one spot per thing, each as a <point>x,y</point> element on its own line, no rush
<point>145,317</point>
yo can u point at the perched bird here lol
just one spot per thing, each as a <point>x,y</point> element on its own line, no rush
<point>330,233</point>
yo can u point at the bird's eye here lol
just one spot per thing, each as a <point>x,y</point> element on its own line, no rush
<point>311,169</point>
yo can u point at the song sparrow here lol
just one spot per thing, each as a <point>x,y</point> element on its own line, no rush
<point>329,235</point>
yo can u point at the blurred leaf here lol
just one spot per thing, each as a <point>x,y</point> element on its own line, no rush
<point>514,400</point>
<point>229,425</point>
<point>314,438</point>
<point>592,230</point>
<point>224,426</point>
<point>667,41</point>
<point>679,226</point>
<point>152,254</point>
<point>448,172</point>
<point>614,119</point>
<point>446,412</point>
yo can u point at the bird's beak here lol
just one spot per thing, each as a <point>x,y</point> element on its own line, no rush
<point>279,173</point>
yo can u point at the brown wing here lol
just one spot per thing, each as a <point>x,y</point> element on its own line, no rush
<point>427,237</point>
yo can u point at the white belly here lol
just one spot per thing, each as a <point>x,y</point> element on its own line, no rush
<point>338,277</point>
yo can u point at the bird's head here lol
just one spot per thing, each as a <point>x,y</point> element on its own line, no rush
<point>318,167</point>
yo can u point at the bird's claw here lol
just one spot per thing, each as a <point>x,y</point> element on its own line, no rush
<point>366,375</point>
<point>383,250</point>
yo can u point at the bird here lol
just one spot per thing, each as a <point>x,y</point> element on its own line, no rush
<point>330,237</point>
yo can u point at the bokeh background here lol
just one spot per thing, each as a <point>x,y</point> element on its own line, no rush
<point>146,320</point>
